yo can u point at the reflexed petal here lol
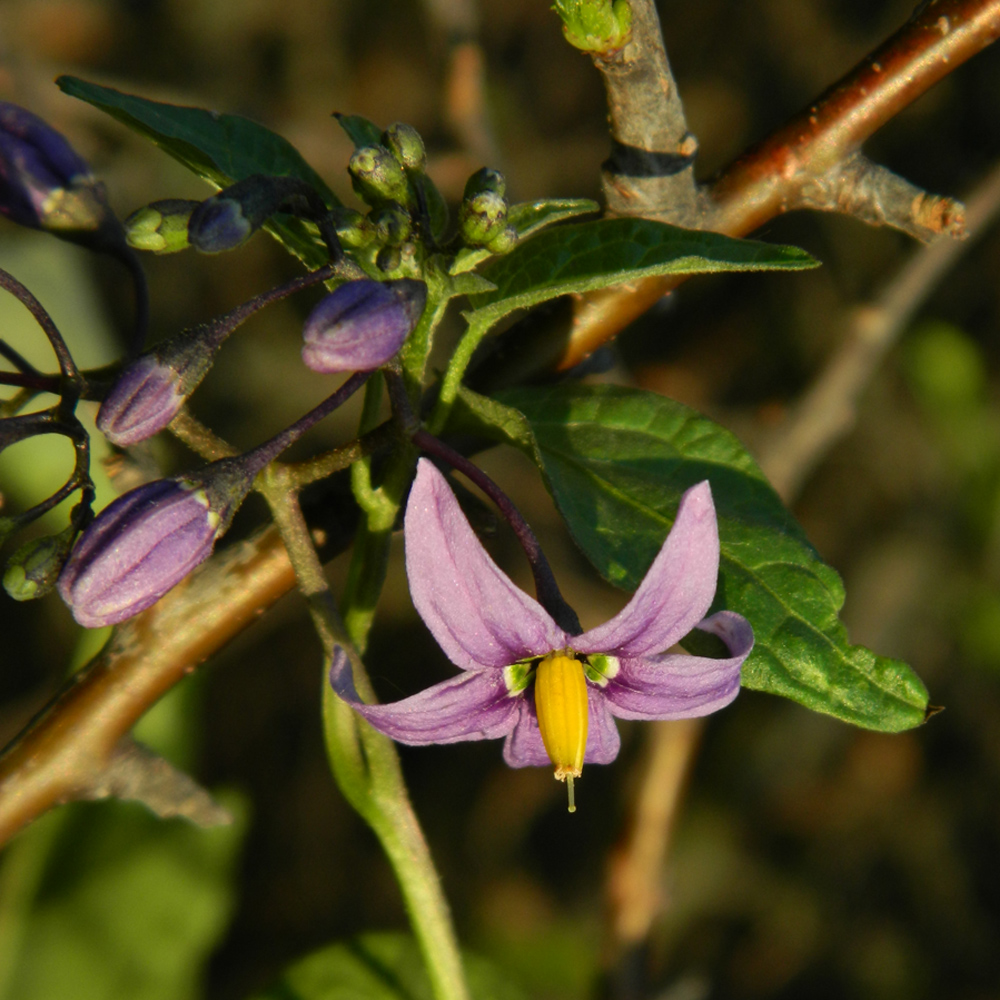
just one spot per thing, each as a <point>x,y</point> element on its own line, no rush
<point>479,618</point>
<point>472,706</point>
<point>675,593</point>
<point>679,686</point>
<point>524,746</point>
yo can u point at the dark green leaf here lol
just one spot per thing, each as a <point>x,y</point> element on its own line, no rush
<point>617,461</point>
<point>606,252</point>
<point>221,148</point>
<point>360,130</point>
<point>379,967</point>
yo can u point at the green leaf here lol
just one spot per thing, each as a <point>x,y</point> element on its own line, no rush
<point>220,148</point>
<point>379,967</point>
<point>604,252</point>
<point>527,217</point>
<point>617,461</point>
<point>360,130</point>
<point>128,906</point>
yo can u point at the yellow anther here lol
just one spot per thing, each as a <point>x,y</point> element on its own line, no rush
<point>561,704</point>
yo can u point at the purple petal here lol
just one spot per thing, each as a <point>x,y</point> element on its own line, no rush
<point>524,746</point>
<point>676,591</point>
<point>479,618</point>
<point>473,706</point>
<point>679,686</point>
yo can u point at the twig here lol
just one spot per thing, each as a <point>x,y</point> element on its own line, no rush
<point>789,166</point>
<point>651,167</point>
<point>829,408</point>
<point>65,752</point>
<point>635,893</point>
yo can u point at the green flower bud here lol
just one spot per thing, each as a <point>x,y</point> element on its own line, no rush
<point>161,226</point>
<point>353,229</point>
<point>392,225</point>
<point>388,259</point>
<point>32,571</point>
<point>485,179</point>
<point>404,142</point>
<point>377,176</point>
<point>504,241</point>
<point>482,218</point>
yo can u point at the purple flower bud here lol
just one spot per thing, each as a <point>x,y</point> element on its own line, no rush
<point>138,548</point>
<point>219,224</point>
<point>362,324</point>
<point>44,183</point>
<point>144,400</point>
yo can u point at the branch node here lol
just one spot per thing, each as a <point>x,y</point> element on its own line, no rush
<point>876,195</point>
<point>136,773</point>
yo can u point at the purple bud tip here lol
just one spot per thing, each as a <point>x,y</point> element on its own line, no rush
<point>362,324</point>
<point>138,548</point>
<point>35,163</point>
<point>218,224</point>
<point>144,399</point>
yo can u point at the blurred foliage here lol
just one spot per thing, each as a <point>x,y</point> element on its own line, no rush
<point>812,860</point>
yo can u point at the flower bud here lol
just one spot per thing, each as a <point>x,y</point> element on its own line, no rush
<point>392,225</point>
<point>46,184</point>
<point>353,228</point>
<point>145,542</point>
<point>504,241</point>
<point>482,218</point>
<point>33,569</point>
<point>388,259</point>
<point>220,223</point>
<point>377,176</point>
<point>161,226</point>
<point>143,400</point>
<point>485,179</point>
<point>404,142</point>
<point>362,324</point>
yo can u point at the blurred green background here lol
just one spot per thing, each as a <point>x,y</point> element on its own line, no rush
<point>810,860</point>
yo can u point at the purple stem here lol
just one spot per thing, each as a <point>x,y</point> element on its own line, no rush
<point>257,458</point>
<point>219,329</point>
<point>66,364</point>
<point>546,588</point>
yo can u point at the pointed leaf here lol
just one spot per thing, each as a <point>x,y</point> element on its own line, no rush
<point>359,129</point>
<point>605,252</point>
<point>617,460</point>
<point>220,148</point>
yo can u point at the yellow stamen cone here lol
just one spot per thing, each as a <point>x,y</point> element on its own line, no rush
<point>561,705</point>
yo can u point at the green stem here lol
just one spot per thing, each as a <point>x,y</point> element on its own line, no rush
<point>365,763</point>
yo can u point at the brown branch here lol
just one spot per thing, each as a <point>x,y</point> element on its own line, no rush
<point>66,752</point>
<point>781,172</point>
<point>652,156</point>
<point>828,409</point>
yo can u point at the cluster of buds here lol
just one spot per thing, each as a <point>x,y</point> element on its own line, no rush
<point>111,567</point>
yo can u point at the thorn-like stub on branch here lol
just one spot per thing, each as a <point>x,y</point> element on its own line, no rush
<point>137,774</point>
<point>870,192</point>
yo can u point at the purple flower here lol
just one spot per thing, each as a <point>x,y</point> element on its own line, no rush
<point>44,182</point>
<point>520,668</point>
<point>362,324</point>
<point>138,548</point>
